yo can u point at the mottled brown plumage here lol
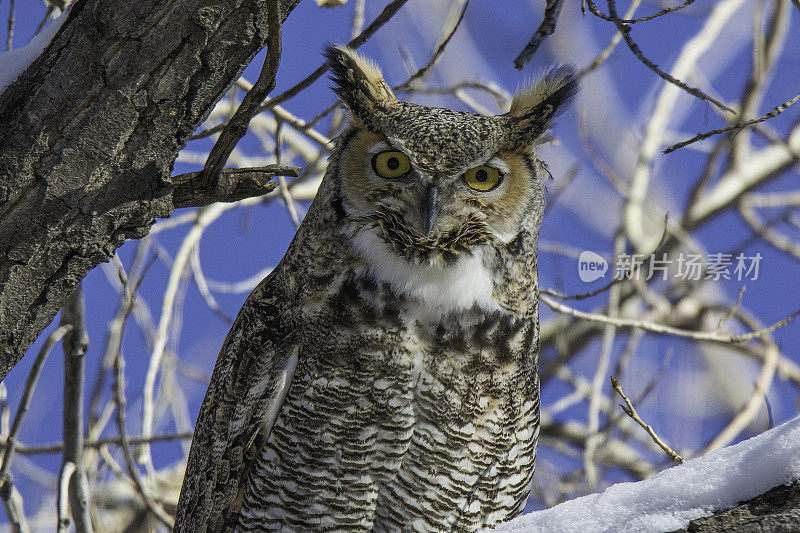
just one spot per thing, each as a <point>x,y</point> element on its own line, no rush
<point>384,376</point>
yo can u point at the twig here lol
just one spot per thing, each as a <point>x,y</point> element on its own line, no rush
<point>502,98</point>
<point>628,272</point>
<point>426,68</point>
<point>30,387</point>
<point>133,472</point>
<point>732,310</point>
<point>625,31</point>
<point>10,36</point>
<point>205,216</point>
<point>291,206</point>
<point>358,18</point>
<point>202,285</point>
<point>7,489</point>
<point>75,344</point>
<point>711,336</point>
<point>237,126</point>
<point>384,17</point>
<point>596,12</point>
<point>50,9</point>
<point>631,412</point>
<point>602,56</point>
<point>233,184</point>
<point>552,9</point>
<point>62,512</point>
<point>116,326</point>
<point>596,395</point>
<point>40,449</point>
<point>736,126</point>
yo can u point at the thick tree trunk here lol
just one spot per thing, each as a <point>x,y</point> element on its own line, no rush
<point>775,511</point>
<point>89,133</point>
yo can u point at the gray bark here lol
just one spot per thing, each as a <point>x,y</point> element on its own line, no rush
<point>775,511</point>
<point>75,344</point>
<point>90,131</point>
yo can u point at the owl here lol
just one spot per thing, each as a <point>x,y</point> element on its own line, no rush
<point>383,377</point>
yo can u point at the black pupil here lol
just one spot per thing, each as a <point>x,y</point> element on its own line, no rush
<point>393,163</point>
<point>481,176</point>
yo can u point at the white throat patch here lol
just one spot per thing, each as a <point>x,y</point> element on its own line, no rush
<point>456,287</point>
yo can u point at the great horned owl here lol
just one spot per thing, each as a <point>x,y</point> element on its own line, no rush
<point>384,376</point>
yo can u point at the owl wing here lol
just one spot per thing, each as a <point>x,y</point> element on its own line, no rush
<point>251,378</point>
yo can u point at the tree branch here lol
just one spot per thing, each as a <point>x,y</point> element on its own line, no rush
<point>236,127</point>
<point>552,10</point>
<point>631,412</point>
<point>231,185</point>
<point>736,125</point>
<point>142,89</point>
<point>7,490</point>
<point>75,344</point>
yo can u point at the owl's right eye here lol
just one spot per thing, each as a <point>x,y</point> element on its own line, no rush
<point>391,164</point>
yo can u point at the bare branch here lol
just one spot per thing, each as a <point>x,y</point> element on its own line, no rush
<point>631,412</point>
<point>625,31</point>
<point>426,68</point>
<point>39,449</point>
<point>232,185</point>
<point>10,36</point>
<point>236,127</point>
<point>384,17</point>
<point>712,336</point>
<point>602,56</point>
<point>64,479</point>
<point>596,12</point>
<point>736,126</point>
<point>7,490</point>
<point>552,9</point>
<point>75,344</point>
<point>133,472</point>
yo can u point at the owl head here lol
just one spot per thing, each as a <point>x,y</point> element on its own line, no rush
<point>434,184</point>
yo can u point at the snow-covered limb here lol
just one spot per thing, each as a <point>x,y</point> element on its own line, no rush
<point>14,62</point>
<point>672,498</point>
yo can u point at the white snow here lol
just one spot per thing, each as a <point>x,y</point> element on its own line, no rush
<point>670,499</point>
<point>14,62</point>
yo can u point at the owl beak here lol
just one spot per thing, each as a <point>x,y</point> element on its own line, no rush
<point>430,208</point>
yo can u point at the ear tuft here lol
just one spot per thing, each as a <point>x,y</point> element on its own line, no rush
<point>359,84</point>
<point>557,87</point>
<point>534,107</point>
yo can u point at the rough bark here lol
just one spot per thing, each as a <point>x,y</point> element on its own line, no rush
<point>90,131</point>
<point>775,511</point>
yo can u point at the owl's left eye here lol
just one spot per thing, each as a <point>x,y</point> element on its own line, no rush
<point>390,164</point>
<point>483,178</point>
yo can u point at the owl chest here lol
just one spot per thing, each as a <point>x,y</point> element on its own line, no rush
<point>383,405</point>
<point>384,352</point>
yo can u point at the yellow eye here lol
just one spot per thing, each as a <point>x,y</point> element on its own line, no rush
<point>482,178</point>
<point>390,164</point>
